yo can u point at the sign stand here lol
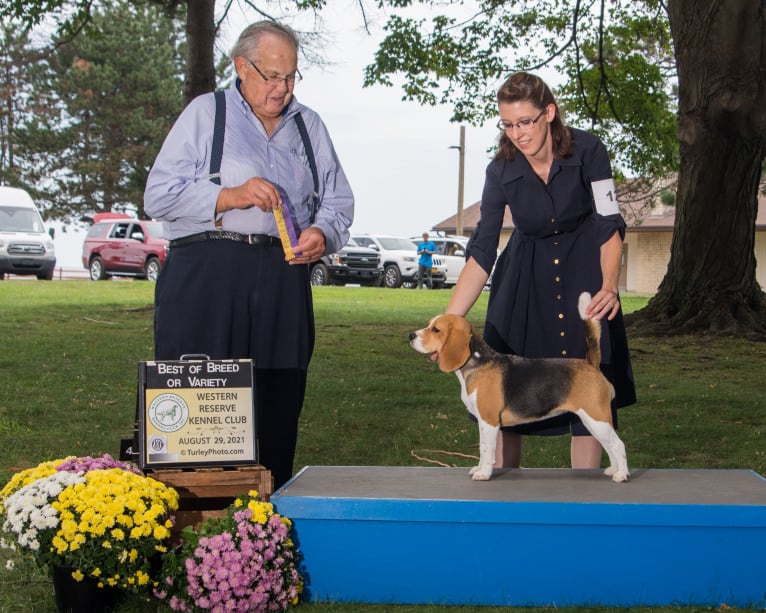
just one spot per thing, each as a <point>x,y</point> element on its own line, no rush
<point>196,431</point>
<point>196,413</point>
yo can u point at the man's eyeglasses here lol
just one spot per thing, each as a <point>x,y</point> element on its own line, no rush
<point>523,125</point>
<point>290,80</point>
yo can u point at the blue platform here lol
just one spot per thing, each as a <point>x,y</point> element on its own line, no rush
<point>529,537</point>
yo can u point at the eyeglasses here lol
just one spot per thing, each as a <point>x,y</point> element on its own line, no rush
<point>523,125</point>
<point>290,80</point>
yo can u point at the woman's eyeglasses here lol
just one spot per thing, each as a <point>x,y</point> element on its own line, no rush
<point>523,125</point>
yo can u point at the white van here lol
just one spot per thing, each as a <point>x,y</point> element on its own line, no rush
<point>25,247</point>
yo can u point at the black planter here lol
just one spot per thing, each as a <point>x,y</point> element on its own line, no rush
<point>81,596</point>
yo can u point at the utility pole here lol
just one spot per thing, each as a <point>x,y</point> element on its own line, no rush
<point>460,182</point>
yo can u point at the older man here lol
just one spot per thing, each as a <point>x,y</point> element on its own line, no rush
<point>227,289</point>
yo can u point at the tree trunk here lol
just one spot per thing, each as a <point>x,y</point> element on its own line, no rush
<point>200,42</point>
<point>710,285</point>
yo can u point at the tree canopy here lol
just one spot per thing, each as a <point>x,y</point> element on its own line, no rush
<point>87,138</point>
<point>616,56</point>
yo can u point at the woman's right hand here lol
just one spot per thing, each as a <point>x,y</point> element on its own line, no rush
<point>469,286</point>
<point>254,192</point>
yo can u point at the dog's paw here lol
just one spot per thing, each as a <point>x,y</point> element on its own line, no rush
<point>473,470</point>
<point>619,476</point>
<point>480,475</point>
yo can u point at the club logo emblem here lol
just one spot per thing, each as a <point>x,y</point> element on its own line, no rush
<point>168,412</point>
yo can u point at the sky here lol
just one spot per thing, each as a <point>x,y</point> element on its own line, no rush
<point>396,154</point>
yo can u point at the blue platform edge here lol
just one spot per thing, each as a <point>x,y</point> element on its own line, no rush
<point>527,553</point>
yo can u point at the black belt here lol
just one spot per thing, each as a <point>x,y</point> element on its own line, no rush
<point>226,235</point>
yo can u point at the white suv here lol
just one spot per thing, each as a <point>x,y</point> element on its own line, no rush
<point>398,256</point>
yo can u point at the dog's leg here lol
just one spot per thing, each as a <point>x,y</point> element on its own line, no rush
<point>605,434</point>
<point>487,439</point>
<point>487,445</point>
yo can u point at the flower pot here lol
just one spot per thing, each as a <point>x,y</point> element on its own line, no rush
<point>81,596</point>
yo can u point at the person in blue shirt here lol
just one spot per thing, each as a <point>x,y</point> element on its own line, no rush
<point>226,289</point>
<point>567,239</point>
<point>426,250</point>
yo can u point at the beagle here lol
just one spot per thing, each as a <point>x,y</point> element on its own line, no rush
<point>505,390</point>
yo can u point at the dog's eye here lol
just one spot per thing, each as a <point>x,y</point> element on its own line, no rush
<point>434,329</point>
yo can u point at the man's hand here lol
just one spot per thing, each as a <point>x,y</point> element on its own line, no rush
<point>254,192</point>
<point>311,246</point>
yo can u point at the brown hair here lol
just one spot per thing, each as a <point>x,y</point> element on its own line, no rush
<point>526,87</point>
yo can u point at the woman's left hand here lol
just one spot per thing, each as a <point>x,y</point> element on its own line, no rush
<point>604,304</point>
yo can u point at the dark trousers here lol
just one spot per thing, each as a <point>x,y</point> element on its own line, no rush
<point>424,272</point>
<point>278,399</point>
<point>225,299</point>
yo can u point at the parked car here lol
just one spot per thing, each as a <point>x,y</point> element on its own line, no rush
<point>352,264</point>
<point>25,247</point>
<point>399,258</point>
<point>118,245</point>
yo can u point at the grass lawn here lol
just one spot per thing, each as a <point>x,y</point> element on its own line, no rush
<point>68,376</point>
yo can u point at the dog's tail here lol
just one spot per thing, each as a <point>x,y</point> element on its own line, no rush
<point>592,331</point>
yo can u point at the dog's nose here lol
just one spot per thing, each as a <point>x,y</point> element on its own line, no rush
<point>413,335</point>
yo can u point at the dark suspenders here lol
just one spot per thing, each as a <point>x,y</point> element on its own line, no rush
<point>218,129</point>
<point>312,163</point>
<point>216,155</point>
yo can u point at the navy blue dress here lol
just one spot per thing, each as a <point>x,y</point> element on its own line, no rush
<point>553,255</point>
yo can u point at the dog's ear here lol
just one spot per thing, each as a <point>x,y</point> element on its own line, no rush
<point>456,348</point>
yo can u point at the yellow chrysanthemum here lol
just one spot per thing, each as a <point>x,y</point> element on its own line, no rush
<point>68,529</point>
<point>142,577</point>
<point>118,534</point>
<point>59,545</point>
<point>261,511</point>
<point>77,575</point>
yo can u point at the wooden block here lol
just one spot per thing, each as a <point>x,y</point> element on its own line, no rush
<point>207,492</point>
<point>216,482</point>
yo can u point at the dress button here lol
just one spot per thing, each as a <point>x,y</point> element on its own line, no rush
<point>561,315</point>
<point>556,261</point>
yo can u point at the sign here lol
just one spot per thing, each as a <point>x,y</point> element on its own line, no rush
<point>196,412</point>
